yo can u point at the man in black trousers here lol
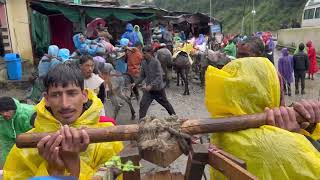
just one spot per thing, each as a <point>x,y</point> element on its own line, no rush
<point>154,87</point>
<point>300,67</point>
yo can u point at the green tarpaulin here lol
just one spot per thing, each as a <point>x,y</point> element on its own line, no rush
<point>40,32</point>
<point>71,13</point>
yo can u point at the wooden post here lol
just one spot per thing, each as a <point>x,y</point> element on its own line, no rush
<point>228,167</point>
<point>197,161</point>
<point>132,154</point>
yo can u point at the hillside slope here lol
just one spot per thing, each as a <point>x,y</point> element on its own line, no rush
<point>270,14</point>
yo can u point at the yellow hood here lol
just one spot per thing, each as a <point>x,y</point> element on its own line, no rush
<point>46,122</point>
<point>243,86</point>
<point>26,163</point>
<point>246,86</point>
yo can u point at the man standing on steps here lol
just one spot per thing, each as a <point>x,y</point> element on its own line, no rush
<point>300,67</point>
<point>154,87</point>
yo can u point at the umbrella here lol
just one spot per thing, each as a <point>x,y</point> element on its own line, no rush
<point>91,27</point>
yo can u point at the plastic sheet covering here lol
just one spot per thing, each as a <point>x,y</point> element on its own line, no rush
<point>26,163</point>
<point>246,86</point>
<point>71,13</point>
<point>40,32</point>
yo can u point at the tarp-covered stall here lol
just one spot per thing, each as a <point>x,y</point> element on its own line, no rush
<point>63,19</point>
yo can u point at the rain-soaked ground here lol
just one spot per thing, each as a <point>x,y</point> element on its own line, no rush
<point>191,107</point>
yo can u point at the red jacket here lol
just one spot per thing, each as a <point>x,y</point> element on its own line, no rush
<point>134,61</point>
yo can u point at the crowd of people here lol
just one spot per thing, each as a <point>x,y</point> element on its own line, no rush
<point>75,88</point>
<point>304,61</point>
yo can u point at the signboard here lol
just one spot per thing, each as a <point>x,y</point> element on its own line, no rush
<point>215,28</point>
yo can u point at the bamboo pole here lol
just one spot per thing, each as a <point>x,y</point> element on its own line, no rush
<point>130,132</point>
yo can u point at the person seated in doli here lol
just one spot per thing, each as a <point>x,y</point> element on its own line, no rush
<point>67,107</point>
<point>87,46</point>
<point>274,151</point>
<point>15,118</point>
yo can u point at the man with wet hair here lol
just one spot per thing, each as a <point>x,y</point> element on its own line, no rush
<point>66,109</point>
<point>251,47</point>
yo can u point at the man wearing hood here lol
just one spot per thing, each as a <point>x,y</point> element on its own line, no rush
<point>285,68</point>
<point>131,35</point>
<point>137,30</point>
<point>15,118</point>
<point>67,108</point>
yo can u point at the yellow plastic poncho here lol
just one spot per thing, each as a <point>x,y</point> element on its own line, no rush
<point>26,163</point>
<point>247,86</point>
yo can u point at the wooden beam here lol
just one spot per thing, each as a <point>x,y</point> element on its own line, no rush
<point>234,159</point>
<point>227,167</point>
<point>197,161</point>
<point>132,154</point>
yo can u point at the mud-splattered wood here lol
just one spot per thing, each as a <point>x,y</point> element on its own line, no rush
<point>197,161</point>
<point>162,158</point>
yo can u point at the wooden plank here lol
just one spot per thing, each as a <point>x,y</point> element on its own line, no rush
<point>163,175</point>
<point>233,158</point>
<point>132,154</point>
<point>227,167</point>
<point>197,161</point>
<point>162,158</point>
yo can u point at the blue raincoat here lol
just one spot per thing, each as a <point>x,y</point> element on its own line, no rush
<point>64,54</point>
<point>131,35</point>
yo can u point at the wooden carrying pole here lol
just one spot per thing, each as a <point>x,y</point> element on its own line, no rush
<point>130,132</point>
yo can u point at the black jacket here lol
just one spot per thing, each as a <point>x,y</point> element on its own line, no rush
<point>300,61</point>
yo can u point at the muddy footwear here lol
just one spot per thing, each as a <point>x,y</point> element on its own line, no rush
<point>302,92</point>
<point>297,92</point>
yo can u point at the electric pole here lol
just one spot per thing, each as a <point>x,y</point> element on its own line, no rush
<point>253,16</point>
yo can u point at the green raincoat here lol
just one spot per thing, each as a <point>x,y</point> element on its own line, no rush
<point>137,30</point>
<point>20,123</point>
<point>231,50</point>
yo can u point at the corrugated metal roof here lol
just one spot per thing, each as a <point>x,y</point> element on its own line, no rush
<point>101,2</point>
<point>133,8</point>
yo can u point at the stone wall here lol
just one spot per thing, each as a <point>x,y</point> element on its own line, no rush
<point>293,37</point>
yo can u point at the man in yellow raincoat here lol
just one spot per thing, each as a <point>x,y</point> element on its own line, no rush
<point>66,106</point>
<point>247,86</point>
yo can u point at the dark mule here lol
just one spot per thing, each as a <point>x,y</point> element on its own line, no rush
<point>165,58</point>
<point>212,58</point>
<point>182,67</point>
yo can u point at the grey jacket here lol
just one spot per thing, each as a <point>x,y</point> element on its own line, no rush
<point>151,72</point>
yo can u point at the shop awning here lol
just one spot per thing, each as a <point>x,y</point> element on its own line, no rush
<point>73,12</point>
